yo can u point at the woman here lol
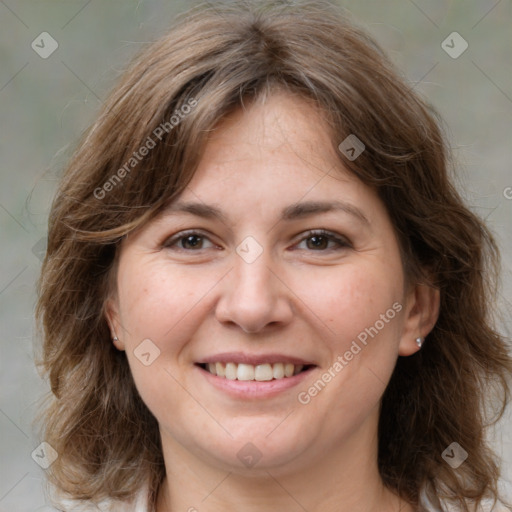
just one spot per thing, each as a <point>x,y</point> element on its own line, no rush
<point>262,292</point>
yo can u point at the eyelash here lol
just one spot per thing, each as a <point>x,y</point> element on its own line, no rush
<point>342,242</point>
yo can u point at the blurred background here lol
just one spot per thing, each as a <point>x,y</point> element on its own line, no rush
<point>59,59</point>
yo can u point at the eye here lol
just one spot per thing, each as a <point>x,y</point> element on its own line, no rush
<point>318,240</point>
<point>323,240</point>
<point>188,241</point>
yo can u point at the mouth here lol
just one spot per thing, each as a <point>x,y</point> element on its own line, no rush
<point>244,376</point>
<point>259,372</point>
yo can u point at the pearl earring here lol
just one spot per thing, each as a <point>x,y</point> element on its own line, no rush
<point>419,341</point>
<point>115,338</point>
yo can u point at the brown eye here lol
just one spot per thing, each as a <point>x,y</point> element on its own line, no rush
<point>323,241</point>
<point>317,242</point>
<point>191,241</point>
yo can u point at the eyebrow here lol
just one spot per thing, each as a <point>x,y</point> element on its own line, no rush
<point>292,212</point>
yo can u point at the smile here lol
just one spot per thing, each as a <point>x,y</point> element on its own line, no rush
<point>259,372</point>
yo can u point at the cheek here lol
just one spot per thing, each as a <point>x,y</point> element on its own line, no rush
<point>158,307</point>
<point>352,299</point>
<point>359,306</point>
<point>157,298</point>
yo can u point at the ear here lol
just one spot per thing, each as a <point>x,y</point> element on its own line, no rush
<point>421,314</point>
<point>113,318</point>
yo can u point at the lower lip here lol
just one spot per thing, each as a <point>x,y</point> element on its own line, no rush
<point>253,388</point>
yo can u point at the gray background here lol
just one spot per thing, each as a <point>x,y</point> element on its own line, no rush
<point>45,104</point>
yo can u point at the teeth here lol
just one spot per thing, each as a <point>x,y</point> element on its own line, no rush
<point>220,369</point>
<point>278,370</point>
<point>231,371</point>
<point>263,372</point>
<point>245,372</point>
<point>298,369</point>
<point>260,372</point>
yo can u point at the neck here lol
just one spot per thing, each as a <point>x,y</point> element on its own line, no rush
<point>334,480</point>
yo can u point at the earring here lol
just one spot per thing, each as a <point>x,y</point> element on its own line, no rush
<point>419,341</point>
<point>115,338</point>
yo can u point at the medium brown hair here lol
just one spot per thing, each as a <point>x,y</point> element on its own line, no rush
<point>221,58</point>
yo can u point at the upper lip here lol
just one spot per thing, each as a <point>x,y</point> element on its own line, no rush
<point>253,359</point>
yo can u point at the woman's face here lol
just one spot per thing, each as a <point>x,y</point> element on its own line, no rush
<point>275,259</point>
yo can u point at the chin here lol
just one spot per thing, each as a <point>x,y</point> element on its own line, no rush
<point>259,445</point>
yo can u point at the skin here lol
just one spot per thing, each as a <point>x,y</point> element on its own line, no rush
<point>303,296</point>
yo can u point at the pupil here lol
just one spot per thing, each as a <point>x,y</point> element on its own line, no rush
<point>318,241</point>
<point>192,241</point>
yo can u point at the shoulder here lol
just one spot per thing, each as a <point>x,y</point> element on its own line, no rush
<point>138,504</point>
<point>505,491</point>
<point>487,505</point>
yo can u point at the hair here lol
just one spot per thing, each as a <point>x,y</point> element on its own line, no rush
<point>217,59</point>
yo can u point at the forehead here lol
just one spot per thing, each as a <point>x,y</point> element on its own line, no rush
<point>274,158</point>
<point>281,127</point>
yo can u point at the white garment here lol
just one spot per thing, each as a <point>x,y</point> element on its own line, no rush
<point>504,488</point>
<point>139,504</point>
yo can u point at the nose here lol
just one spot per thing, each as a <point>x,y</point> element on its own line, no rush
<point>254,297</point>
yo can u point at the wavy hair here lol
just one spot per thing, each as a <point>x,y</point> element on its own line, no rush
<point>218,58</point>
